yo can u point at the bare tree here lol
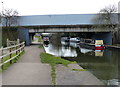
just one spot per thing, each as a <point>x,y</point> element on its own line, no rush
<point>10,17</point>
<point>105,17</point>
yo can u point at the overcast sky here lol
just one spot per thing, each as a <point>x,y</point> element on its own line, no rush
<point>45,7</point>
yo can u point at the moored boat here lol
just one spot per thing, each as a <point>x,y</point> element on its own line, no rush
<point>46,40</point>
<point>75,39</point>
<point>65,39</point>
<point>92,44</point>
<point>99,45</point>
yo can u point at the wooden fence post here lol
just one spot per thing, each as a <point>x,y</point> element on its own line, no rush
<point>16,53</point>
<point>2,57</point>
<point>18,41</point>
<point>8,42</point>
<point>19,49</point>
<point>24,46</point>
<point>10,55</point>
<point>1,51</point>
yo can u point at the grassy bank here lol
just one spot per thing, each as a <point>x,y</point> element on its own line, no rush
<point>41,46</point>
<point>6,65</point>
<point>50,59</point>
<point>53,61</point>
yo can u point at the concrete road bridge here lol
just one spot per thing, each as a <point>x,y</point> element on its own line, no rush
<point>29,25</point>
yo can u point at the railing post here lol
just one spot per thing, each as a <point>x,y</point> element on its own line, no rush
<point>16,53</point>
<point>10,55</point>
<point>1,51</point>
<point>18,41</point>
<point>2,58</point>
<point>24,46</point>
<point>16,50</point>
<point>20,48</point>
<point>8,42</point>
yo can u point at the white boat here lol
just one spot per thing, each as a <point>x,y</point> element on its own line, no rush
<point>76,39</point>
<point>66,39</point>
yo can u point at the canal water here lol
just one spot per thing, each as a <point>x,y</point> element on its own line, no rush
<point>103,64</point>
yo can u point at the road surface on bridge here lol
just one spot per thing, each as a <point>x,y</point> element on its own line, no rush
<point>28,70</point>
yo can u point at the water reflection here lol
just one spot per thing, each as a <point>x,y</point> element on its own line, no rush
<point>99,53</point>
<point>103,64</point>
<point>84,50</point>
<point>62,51</point>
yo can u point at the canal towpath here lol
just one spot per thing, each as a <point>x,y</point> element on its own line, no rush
<point>28,70</point>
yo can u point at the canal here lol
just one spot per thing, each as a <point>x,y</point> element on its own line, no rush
<point>103,64</point>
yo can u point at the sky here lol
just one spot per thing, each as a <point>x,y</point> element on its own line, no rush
<point>50,7</point>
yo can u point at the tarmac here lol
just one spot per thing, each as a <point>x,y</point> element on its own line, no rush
<point>67,76</point>
<point>28,70</point>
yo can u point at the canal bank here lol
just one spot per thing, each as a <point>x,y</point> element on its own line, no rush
<point>72,74</point>
<point>112,47</point>
<point>102,64</point>
<point>75,75</point>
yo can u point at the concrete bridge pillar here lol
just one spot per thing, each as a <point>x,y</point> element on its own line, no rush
<point>24,36</point>
<point>106,37</point>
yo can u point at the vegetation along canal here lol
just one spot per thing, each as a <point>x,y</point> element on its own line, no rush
<point>103,64</point>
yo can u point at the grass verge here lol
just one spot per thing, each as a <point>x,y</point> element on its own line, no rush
<point>41,46</point>
<point>6,65</point>
<point>53,74</point>
<point>79,69</point>
<point>53,61</point>
<point>50,59</point>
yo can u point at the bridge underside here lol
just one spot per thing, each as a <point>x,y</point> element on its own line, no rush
<point>27,32</point>
<point>65,28</point>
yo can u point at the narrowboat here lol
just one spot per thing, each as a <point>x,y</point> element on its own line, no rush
<point>46,40</point>
<point>76,39</point>
<point>92,44</point>
<point>65,39</point>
